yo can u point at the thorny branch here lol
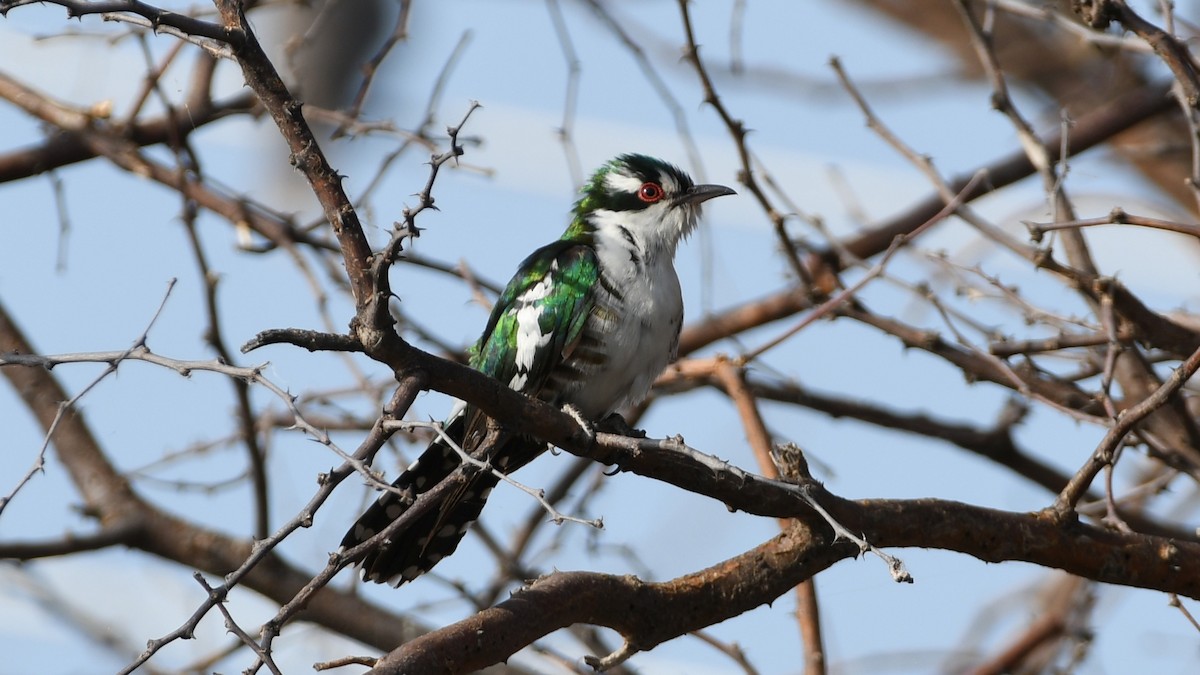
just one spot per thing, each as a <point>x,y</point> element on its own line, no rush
<point>179,25</point>
<point>737,129</point>
<point>1134,548</point>
<point>68,407</point>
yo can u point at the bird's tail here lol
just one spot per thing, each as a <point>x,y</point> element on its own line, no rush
<point>415,549</point>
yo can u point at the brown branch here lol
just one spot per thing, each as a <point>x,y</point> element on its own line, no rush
<point>1172,51</point>
<point>1132,371</point>
<point>215,337</point>
<point>119,534</point>
<point>1089,130</point>
<point>313,341</point>
<point>156,17</point>
<point>306,154</point>
<point>741,318</point>
<point>1009,348</point>
<point>656,81</point>
<point>86,136</point>
<point>733,381</point>
<point>1117,216</point>
<point>737,129</point>
<point>996,443</point>
<point>1054,623</point>
<point>110,498</point>
<point>1078,68</point>
<point>652,612</point>
<point>66,147</point>
<point>647,614</point>
<point>1064,506</point>
<point>1024,379</point>
<point>1171,422</point>
<point>676,464</point>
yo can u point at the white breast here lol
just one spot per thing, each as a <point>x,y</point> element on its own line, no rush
<point>641,339</point>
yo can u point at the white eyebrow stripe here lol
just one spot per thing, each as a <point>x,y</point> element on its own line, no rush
<point>620,182</point>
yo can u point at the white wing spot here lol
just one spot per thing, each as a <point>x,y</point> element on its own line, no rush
<point>447,531</point>
<point>529,338</point>
<point>393,511</point>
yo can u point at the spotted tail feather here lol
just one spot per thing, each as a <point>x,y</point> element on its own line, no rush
<point>434,535</point>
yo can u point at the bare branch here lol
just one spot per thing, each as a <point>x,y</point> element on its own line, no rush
<point>153,17</point>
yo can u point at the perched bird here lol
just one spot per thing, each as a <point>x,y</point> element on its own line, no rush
<point>588,321</point>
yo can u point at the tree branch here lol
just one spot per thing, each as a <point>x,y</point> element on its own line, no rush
<point>647,614</point>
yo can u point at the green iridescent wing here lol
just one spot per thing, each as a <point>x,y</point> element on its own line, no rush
<point>539,317</point>
<point>534,326</point>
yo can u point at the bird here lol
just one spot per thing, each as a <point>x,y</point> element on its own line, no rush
<point>587,323</point>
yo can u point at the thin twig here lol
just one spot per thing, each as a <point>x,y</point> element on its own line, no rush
<point>557,517</point>
<point>232,626</point>
<point>113,360</point>
<point>739,132</point>
<point>877,270</point>
<point>1105,451</point>
<point>1117,216</point>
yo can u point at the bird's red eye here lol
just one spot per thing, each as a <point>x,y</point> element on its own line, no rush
<point>650,192</point>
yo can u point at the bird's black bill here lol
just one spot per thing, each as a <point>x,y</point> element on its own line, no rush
<point>702,193</point>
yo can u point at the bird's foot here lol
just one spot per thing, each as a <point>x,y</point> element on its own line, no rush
<point>615,424</point>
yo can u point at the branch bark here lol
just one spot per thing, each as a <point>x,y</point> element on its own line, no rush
<point>648,614</point>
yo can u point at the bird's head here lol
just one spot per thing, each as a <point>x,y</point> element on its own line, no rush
<point>645,198</point>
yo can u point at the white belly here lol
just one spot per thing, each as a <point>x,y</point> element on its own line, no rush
<point>639,342</point>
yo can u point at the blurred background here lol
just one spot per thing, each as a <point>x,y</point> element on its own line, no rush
<point>88,250</point>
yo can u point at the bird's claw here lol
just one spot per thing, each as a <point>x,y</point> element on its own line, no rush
<point>615,424</point>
